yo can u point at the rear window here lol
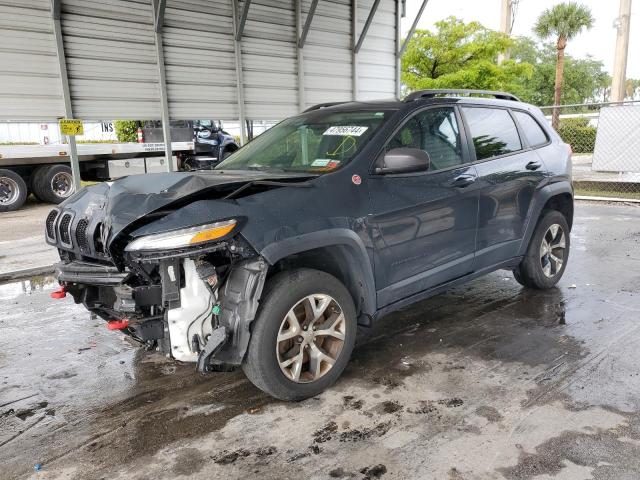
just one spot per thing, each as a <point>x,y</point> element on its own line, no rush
<point>533,132</point>
<point>493,131</point>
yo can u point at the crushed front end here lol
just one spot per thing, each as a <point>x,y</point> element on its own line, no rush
<point>188,292</point>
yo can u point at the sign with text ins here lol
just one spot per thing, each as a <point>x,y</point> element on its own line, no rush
<point>71,127</point>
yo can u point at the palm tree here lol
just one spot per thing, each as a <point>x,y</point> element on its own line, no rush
<point>564,21</point>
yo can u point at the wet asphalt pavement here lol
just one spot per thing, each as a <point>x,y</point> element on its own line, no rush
<point>487,381</point>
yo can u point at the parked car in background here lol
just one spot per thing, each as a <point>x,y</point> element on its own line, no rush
<point>329,220</point>
<point>211,145</point>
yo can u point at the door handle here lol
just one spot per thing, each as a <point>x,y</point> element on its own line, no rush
<point>462,181</point>
<point>533,165</point>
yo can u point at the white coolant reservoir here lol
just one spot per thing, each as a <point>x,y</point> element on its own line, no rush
<point>193,317</point>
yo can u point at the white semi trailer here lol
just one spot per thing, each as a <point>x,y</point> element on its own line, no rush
<point>45,171</point>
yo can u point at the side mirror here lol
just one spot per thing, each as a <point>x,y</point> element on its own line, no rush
<point>404,160</point>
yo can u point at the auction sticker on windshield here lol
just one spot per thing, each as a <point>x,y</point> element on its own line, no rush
<point>345,130</point>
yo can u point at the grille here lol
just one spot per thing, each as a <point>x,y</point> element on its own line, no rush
<point>50,224</point>
<point>81,235</point>
<point>65,235</point>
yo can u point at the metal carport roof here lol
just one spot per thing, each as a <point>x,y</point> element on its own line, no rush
<point>178,59</point>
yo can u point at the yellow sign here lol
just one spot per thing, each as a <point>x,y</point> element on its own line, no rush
<point>71,127</point>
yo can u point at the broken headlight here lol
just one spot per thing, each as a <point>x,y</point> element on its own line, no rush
<point>185,237</point>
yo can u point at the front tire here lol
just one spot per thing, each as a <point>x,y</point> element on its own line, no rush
<point>303,335</point>
<point>547,254</point>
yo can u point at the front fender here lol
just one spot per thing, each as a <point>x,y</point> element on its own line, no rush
<point>358,259</point>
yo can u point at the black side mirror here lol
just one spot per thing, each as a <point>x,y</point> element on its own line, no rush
<point>404,160</point>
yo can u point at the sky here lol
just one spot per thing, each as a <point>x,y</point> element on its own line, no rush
<point>599,41</point>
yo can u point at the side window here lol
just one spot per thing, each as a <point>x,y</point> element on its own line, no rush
<point>436,132</point>
<point>531,128</point>
<point>492,130</point>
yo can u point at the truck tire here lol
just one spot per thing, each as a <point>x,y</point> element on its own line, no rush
<point>546,258</point>
<point>303,335</point>
<point>31,182</point>
<point>13,191</point>
<point>53,183</point>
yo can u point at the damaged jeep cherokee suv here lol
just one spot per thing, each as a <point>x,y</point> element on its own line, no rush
<point>327,221</point>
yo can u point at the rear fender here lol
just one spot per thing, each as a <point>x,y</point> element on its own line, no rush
<point>540,200</point>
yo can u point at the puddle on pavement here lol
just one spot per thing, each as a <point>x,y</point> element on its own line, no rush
<point>13,289</point>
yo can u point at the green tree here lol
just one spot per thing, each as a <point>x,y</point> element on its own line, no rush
<point>126,130</point>
<point>564,21</point>
<point>584,79</point>
<point>461,55</point>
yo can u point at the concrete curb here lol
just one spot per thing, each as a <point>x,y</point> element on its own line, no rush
<point>26,272</point>
<point>606,199</point>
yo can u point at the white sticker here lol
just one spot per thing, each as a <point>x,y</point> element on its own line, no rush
<point>345,130</point>
<point>320,162</point>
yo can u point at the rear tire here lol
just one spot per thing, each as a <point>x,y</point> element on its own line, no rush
<point>13,191</point>
<point>53,183</point>
<point>547,254</point>
<point>320,347</point>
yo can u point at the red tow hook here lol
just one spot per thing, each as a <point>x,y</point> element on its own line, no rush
<point>118,324</point>
<point>60,293</point>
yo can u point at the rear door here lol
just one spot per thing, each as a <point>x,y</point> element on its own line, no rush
<point>509,171</point>
<point>424,224</point>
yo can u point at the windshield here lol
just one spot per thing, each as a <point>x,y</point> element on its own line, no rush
<point>317,142</point>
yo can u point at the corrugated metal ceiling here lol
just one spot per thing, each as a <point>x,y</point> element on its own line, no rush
<point>113,71</point>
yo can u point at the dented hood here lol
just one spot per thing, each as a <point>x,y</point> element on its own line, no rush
<point>129,200</point>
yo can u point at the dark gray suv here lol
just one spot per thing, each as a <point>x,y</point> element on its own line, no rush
<point>331,219</point>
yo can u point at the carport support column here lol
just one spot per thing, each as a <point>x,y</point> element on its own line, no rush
<point>66,93</point>
<point>239,75</point>
<point>398,47</point>
<point>301,91</point>
<point>354,54</point>
<point>158,16</point>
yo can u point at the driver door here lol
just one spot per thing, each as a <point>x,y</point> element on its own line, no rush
<point>424,224</point>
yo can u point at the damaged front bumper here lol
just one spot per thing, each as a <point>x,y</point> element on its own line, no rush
<point>192,308</point>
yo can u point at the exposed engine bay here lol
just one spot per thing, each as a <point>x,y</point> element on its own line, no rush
<point>187,308</point>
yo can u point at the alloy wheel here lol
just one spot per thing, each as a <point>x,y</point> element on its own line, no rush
<point>9,191</point>
<point>552,250</point>
<point>310,338</point>
<point>62,184</point>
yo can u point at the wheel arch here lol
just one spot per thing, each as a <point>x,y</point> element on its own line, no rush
<point>563,203</point>
<point>338,252</point>
<point>556,196</point>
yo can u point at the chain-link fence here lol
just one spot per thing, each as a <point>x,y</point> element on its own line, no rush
<point>605,139</point>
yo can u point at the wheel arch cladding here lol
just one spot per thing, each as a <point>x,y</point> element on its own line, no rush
<point>563,203</point>
<point>239,301</point>
<point>338,252</point>
<point>556,196</point>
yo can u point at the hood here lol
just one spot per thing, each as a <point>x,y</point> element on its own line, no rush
<point>135,199</point>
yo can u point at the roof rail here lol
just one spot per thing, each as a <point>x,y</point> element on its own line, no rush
<point>322,105</point>
<point>459,92</point>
